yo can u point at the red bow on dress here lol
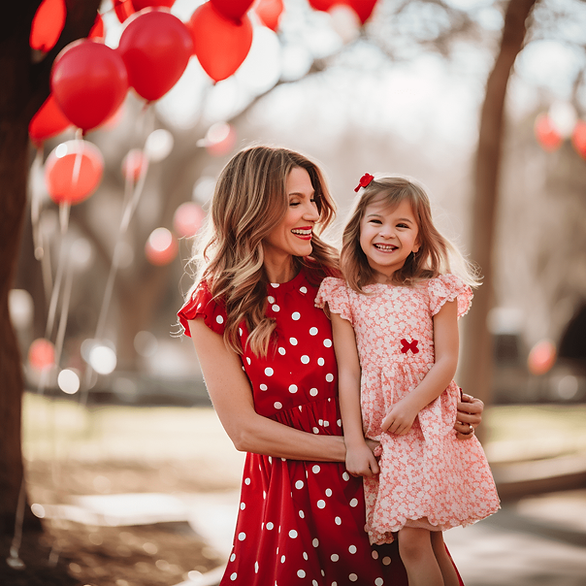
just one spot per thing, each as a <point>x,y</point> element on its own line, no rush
<point>409,346</point>
<point>364,181</point>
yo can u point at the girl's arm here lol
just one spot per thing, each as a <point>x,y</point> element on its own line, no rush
<point>231,395</point>
<point>360,460</point>
<point>446,341</point>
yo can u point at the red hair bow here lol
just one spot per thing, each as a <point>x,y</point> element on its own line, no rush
<point>364,181</point>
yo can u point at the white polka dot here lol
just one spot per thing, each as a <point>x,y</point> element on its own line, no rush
<point>256,567</point>
<point>241,536</point>
<point>305,556</point>
<point>320,421</point>
<point>327,343</point>
<point>321,361</point>
<point>352,577</point>
<point>275,308</point>
<point>263,387</point>
<point>295,315</point>
<point>293,341</point>
<point>326,423</point>
<point>313,392</point>
<point>220,319</point>
<point>242,506</point>
<point>274,285</point>
<point>282,351</point>
<point>374,554</point>
<point>269,371</point>
<point>278,405</point>
<point>321,504</point>
<point>313,331</point>
<point>386,560</point>
<point>248,360</point>
<point>301,573</point>
<point>315,430</point>
<point>345,476</point>
<point>233,576</point>
<point>303,290</point>
<point>329,492</point>
<point>352,549</point>
<point>314,583</point>
<point>338,521</point>
<point>292,534</point>
<point>232,557</point>
<point>305,359</point>
<point>301,514</point>
<point>354,503</point>
<point>270,460</point>
<point>315,469</point>
<point>379,582</point>
<point>339,422</point>
<point>334,557</point>
<point>283,558</point>
<point>329,377</point>
<point>270,526</point>
<point>247,481</point>
<point>293,388</point>
<point>239,331</point>
<point>299,484</point>
<point>315,542</point>
<point>270,299</point>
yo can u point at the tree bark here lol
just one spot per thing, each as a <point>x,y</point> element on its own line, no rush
<point>477,353</point>
<point>25,87</point>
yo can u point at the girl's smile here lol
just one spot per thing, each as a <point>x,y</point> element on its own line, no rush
<point>388,236</point>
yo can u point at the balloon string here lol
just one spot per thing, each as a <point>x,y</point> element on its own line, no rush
<point>14,560</point>
<point>77,165</point>
<point>64,312</point>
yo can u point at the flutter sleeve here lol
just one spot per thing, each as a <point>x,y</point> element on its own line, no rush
<point>335,293</point>
<point>449,288</point>
<point>201,304</point>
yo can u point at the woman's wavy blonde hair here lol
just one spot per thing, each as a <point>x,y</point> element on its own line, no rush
<point>249,200</point>
<point>436,254</point>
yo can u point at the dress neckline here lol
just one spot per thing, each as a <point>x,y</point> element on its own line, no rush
<point>288,285</point>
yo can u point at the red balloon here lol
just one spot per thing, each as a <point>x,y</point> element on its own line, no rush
<point>123,9</point>
<point>269,12</point>
<point>134,165</point>
<point>73,171</point>
<point>89,82</point>
<point>221,45</point>
<point>323,5</point>
<point>363,8</point>
<point>97,31</point>
<point>155,46</point>
<point>140,4</point>
<point>47,25</point>
<point>187,219</point>
<point>41,354</point>
<point>579,138</point>
<point>546,133</point>
<point>47,122</point>
<point>232,9</point>
<point>161,248</point>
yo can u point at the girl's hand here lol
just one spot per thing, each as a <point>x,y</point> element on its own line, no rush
<point>400,418</point>
<point>360,461</point>
<point>469,416</point>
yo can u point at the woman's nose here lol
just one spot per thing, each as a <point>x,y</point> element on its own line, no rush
<point>310,211</point>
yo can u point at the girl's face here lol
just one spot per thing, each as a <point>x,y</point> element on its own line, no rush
<point>387,236</point>
<point>292,237</point>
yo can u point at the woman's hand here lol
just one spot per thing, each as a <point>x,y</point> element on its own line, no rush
<point>469,416</point>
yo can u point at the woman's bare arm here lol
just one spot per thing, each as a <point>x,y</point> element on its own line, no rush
<point>231,395</point>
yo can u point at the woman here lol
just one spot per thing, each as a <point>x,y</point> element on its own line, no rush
<point>267,358</point>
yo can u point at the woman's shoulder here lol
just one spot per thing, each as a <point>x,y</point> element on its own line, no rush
<point>201,303</point>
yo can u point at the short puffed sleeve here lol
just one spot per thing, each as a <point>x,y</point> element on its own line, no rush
<point>201,304</point>
<point>336,294</point>
<point>449,288</point>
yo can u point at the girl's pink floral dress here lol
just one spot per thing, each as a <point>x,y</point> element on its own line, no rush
<point>428,477</point>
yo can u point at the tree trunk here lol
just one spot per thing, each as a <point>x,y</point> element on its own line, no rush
<point>477,353</point>
<point>25,87</point>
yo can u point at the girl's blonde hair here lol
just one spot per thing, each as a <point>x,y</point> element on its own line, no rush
<point>249,201</point>
<point>436,254</point>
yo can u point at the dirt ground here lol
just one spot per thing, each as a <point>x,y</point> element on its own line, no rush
<point>73,554</point>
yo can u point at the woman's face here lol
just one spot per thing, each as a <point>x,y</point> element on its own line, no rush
<point>292,237</point>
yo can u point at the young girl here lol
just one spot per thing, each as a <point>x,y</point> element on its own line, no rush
<point>395,331</point>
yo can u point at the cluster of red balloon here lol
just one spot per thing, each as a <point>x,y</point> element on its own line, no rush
<point>558,124</point>
<point>363,8</point>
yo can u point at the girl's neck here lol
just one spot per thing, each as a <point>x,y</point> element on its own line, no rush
<point>280,272</point>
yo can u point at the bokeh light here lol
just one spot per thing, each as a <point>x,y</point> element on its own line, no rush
<point>41,354</point>
<point>541,357</point>
<point>68,381</point>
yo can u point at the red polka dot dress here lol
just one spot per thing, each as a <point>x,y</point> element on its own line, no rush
<point>300,523</point>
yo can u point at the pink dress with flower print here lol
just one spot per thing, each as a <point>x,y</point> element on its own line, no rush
<point>428,477</point>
